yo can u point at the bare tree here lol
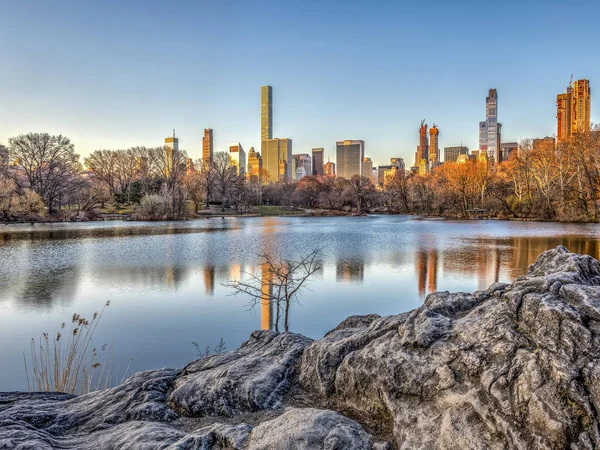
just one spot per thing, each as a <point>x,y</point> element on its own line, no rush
<point>50,164</point>
<point>225,176</point>
<point>279,283</point>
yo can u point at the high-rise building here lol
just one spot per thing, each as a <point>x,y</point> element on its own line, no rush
<point>375,176</point>
<point>349,157</point>
<point>329,168</point>
<point>285,154</point>
<point>573,110</point>
<point>270,157</point>
<point>255,164</point>
<point>266,113</point>
<point>422,154</point>
<point>434,150</point>
<point>507,149</point>
<point>381,171</point>
<point>304,161</point>
<point>491,141</point>
<point>207,145</point>
<point>580,112</point>
<point>317,162</point>
<point>367,167</point>
<point>171,149</point>
<point>398,164</point>
<point>451,154</point>
<point>238,156</point>
<point>483,136</point>
<point>172,143</point>
<point>275,152</point>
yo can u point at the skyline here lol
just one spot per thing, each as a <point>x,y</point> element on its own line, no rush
<point>107,93</point>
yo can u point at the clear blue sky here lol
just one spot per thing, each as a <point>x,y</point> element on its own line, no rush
<point>114,74</point>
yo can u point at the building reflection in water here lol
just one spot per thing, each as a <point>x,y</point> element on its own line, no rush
<point>266,306</point>
<point>426,266</point>
<point>209,279</point>
<point>350,270</point>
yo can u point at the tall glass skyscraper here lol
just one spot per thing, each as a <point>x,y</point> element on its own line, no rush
<point>349,158</point>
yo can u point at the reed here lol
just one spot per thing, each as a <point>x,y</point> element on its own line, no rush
<point>68,362</point>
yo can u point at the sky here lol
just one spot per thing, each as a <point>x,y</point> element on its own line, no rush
<point>116,74</point>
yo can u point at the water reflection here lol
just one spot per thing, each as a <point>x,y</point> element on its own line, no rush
<point>169,278</point>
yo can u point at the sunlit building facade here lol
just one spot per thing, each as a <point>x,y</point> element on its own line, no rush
<point>422,153</point>
<point>207,145</point>
<point>255,164</point>
<point>349,158</point>
<point>238,157</point>
<point>329,168</point>
<point>451,154</point>
<point>433,154</point>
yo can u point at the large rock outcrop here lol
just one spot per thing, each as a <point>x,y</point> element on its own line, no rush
<point>516,366</point>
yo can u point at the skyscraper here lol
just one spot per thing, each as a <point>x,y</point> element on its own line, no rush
<point>483,136</point>
<point>491,126</point>
<point>564,104</point>
<point>207,145</point>
<point>398,164</point>
<point>367,167</point>
<point>317,161</point>
<point>255,164</point>
<point>171,149</point>
<point>434,150</point>
<point>329,168</point>
<point>270,157</point>
<point>349,157</point>
<point>238,156</point>
<point>172,143</point>
<point>285,154</point>
<point>266,113</point>
<point>422,154</point>
<point>451,154</point>
<point>580,112</point>
<point>573,110</point>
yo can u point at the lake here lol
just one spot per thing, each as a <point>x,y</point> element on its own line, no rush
<point>165,280</point>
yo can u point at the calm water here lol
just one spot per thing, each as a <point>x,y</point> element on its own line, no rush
<point>164,280</point>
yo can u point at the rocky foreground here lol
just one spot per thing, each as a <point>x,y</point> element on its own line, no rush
<point>515,366</point>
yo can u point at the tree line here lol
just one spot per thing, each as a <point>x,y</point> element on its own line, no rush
<point>41,174</point>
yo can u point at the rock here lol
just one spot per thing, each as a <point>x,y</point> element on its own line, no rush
<point>250,378</point>
<point>310,429</point>
<point>516,366</point>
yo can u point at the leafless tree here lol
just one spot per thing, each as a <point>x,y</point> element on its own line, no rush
<point>50,164</point>
<point>279,283</point>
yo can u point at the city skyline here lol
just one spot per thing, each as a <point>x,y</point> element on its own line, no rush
<point>107,92</point>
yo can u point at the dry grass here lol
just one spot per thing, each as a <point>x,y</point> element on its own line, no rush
<point>68,362</point>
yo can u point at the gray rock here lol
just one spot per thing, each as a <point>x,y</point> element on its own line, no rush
<point>310,429</point>
<point>516,366</point>
<point>250,378</point>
